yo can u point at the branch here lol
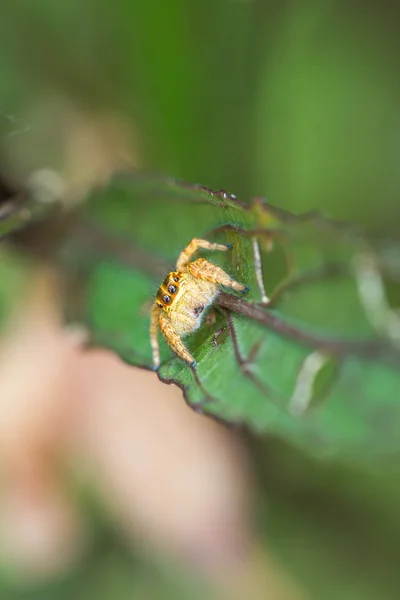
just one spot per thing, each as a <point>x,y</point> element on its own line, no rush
<point>368,349</point>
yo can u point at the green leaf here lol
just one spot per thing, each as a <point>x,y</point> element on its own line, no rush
<point>318,366</point>
<point>14,280</point>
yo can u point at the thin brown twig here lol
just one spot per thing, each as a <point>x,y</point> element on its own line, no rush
<point>367,349</point>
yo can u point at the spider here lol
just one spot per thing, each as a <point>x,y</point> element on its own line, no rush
<point>183,297</point>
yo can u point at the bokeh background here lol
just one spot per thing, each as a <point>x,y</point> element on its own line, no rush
<point>110,486</point>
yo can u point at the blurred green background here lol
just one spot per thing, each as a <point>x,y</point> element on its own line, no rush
<point>298,101</point>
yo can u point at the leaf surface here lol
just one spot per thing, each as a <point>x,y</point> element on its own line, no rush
<point>319,365</point>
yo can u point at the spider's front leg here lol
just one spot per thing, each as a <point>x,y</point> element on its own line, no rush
<point>173,339</point>
<point>203,269</point>
<point>187,253</point>
<point>154,337</point>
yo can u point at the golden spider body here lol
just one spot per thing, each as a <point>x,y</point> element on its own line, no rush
<point>183,297</point>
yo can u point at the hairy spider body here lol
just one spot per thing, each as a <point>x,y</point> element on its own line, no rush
<point>183,297</point>
<point>187,306</point>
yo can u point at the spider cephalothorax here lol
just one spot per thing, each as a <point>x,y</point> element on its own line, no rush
<point>183,296</point>
<point>168,290</point>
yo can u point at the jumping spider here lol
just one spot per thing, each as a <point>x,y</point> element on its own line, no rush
<point>183,297</point>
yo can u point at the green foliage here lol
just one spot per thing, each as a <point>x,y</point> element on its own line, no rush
<point>318,367</point>
<point>295,100</point>
<point>14,273</point>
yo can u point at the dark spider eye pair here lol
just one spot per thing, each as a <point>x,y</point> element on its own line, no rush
<point>172,289</point>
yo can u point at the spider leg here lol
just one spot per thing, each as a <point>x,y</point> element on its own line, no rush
<point>203,269</point>
<point>187,253</point>
<point>173,339</point>
<point>154,337</point>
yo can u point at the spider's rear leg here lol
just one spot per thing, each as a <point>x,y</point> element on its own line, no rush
<point>203,269</point>
<point>173,339</point>
<point>187,253</point>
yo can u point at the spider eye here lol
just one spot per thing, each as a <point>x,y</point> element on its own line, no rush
<point>166,299</point>
<point>176,278</point>
<point>172,289</point>
<point>160,305</point>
